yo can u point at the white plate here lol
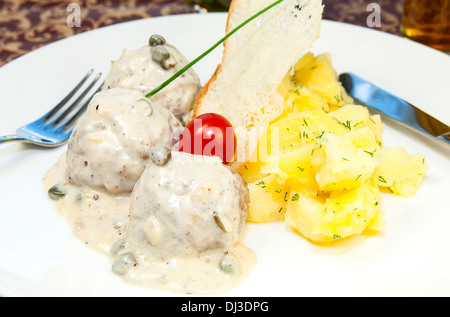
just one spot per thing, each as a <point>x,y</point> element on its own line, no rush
<point>39,256</point>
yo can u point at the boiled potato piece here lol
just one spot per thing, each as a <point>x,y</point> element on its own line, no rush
<point>366,138</point>
<point>399,172</point>
<point>268,199</point>
<point>298,167</point>
<point>251,171</point>
<point>318,75</point>
<point>304,128</point>
<point>301,98</point>
<point>355,117</point>
<point>346,165</point>
<point>351,115</point>
<point>324,219</point>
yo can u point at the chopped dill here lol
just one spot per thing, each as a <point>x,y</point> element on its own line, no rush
<point>347,124</point>
<point>370,153</point>
<point>321,135</point>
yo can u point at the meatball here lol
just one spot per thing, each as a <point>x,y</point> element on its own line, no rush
<point>190,205</point>
<point>109,147</point>
<point>138,69</point>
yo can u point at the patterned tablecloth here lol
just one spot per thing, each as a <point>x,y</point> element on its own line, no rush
<point>29,24</point>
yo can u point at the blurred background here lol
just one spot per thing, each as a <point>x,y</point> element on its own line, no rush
<point>28,24</point>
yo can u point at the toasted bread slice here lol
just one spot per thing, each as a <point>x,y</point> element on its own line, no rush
<point>257,58</point>
<point>255,61</point>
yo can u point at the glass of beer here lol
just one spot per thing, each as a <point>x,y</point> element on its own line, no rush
<point>428,22</point>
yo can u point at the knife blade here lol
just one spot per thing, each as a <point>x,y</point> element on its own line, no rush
<point>394,107</point>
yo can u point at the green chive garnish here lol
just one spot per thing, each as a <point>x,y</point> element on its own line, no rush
<point>185,68</point>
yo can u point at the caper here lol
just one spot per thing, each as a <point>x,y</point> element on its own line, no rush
<point>168,63</point>
<point>223,222</point>
<point>156,39</point>
<point>181,120</point>
<point>229,264</point>
<point>118,246</point>
<point>123,263</point>
<point>56,192</point>
<point>160,54</point>
<point>79,198</point>
<point>160,154</point>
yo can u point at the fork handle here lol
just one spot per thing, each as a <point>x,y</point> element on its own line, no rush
<point>7,138</point>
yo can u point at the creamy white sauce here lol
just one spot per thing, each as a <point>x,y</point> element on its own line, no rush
<point>118,224</point>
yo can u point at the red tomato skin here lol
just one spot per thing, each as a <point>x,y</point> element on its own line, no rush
<point>209,134</point>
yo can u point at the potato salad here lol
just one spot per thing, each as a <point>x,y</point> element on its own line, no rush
<point>321,166</point>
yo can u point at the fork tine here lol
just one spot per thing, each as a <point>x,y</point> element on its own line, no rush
<point>80,111</point>
<point>77,101</point>
<point>67,98</point>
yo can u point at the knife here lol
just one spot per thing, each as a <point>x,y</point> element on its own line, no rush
<point>371,96</point>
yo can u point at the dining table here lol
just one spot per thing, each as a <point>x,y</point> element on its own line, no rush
<point>26,25</point>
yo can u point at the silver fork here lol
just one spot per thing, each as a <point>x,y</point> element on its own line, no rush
<point>55,127</point>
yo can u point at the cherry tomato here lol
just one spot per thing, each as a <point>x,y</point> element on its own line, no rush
<point>209,134</point>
